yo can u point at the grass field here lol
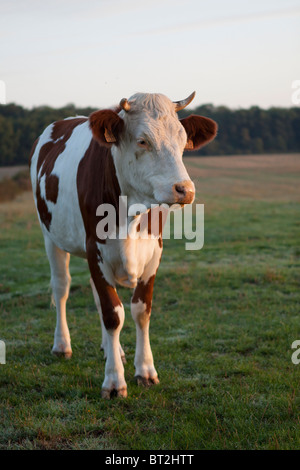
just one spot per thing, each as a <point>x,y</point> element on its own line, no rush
<point>223,322</point>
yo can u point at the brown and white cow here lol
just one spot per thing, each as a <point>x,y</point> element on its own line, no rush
<point>80,163</point>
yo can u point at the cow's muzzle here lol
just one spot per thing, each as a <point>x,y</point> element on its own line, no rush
<point>184,192</point>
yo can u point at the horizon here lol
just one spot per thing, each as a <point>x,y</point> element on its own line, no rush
<point>190,107</point>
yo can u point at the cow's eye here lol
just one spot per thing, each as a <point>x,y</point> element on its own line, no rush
<point>142,143</point>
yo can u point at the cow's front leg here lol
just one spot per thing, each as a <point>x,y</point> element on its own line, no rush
<point>113,319</point>
<point>141,302</point>
<point>114,381</point>
<point>104,343</point>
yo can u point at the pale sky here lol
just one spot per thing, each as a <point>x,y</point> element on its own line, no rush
<point>94,52</point>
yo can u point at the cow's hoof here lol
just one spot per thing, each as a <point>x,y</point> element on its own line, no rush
<point>108,394</point>
<point>64,354</point>
<point>145,381</point>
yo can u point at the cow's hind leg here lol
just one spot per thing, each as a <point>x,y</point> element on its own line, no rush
<point>104,344</point>
<point>60,282</point>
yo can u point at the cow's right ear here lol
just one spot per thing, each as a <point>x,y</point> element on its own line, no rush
<point>106,127</point>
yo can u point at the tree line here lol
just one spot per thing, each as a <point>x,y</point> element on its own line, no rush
<point>241,131</point>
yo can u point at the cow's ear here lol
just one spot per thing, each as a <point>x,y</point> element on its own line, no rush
<point>106,127</point>
<point>200,130</point>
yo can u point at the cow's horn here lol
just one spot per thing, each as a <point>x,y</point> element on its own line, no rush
<point>183,103</point>
<point>125,105</point>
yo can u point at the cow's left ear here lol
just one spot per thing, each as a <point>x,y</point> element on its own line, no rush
<point>200,130</point>
<point>106,127</point>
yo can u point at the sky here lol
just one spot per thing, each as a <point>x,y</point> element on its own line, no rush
<point>94,52</point>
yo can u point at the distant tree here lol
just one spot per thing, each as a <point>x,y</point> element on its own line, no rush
<point>252,130</point>
<point>241,131</point>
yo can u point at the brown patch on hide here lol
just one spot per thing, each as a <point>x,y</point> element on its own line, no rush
<point>42,208</point>
<point>144,293</point>
<point>160,242</point>
<point>49,152</point>
<point>97,184</point>
<point>51,184</point>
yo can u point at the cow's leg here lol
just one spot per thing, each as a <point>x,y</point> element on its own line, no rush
<point>103,329</point>
<point>113,318</point>
<point>141,302</point>
<point>60,282</point>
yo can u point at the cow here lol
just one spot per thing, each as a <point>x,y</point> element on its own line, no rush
<point>80,163</point>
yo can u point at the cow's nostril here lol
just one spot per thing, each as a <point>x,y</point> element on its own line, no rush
<point>180,189</point>
<point>184,192</point>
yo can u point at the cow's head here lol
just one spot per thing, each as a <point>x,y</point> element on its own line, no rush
<point>148,141</point>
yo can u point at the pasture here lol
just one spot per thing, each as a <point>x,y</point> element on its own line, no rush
<point>223,322</point>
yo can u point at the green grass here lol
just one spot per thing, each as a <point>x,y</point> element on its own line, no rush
<point>222,325</point>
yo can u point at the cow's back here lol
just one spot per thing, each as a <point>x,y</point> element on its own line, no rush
<point>54,162</point>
